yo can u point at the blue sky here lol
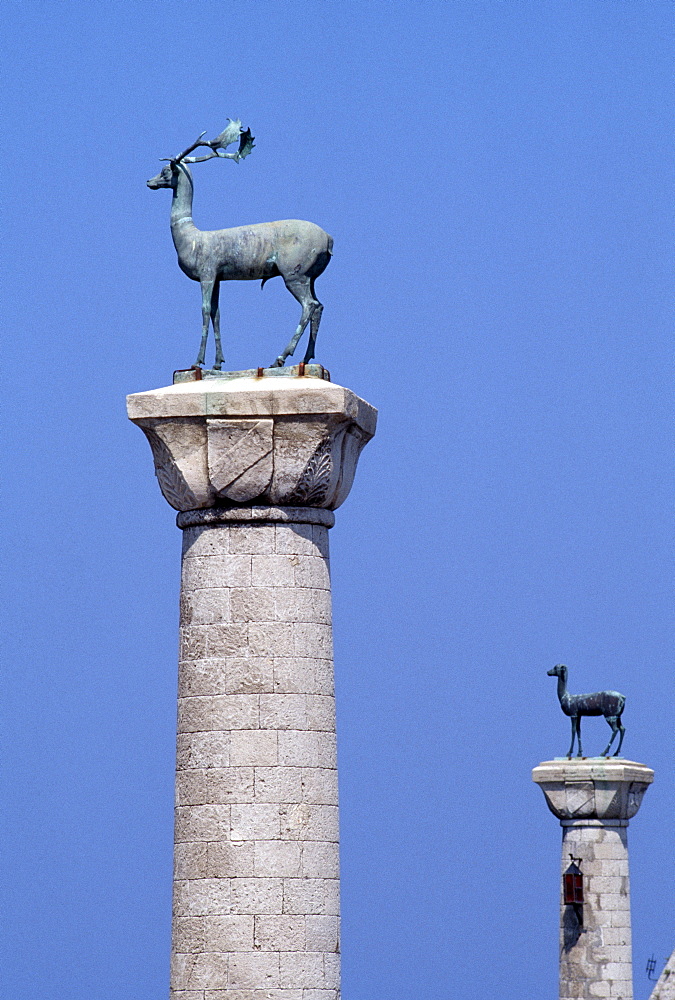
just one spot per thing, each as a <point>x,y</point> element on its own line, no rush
<point>498,181</point>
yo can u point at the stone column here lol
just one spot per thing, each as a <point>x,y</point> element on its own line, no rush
<point>665,988</point>
<point>255,467</point>
<point>594,799</point>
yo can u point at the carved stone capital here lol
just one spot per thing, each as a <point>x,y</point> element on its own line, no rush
<point>593,790</point>
<point>292,442</point>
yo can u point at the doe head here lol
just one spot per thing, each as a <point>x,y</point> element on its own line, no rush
<point>557,671</point>
<point>166,178</point>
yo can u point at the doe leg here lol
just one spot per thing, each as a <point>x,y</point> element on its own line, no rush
<point>574,732</point>
<point>622,731</point>
<point>215,321</point>
<point>581,752</point>
<point>207,294</point>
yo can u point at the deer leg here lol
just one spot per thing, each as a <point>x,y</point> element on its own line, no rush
<point>612,721</point>
<point>581,752</point>
<point>574,732</point>
<point>300,288</point>
<point>215,320</point>
<point>313,326</point>
<point>207,293</point>
<point>622,730</point>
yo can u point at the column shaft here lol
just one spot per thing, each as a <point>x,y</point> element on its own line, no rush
<point>256,882</point>
<point>595,957</point>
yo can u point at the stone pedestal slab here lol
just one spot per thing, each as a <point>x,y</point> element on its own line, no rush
<point>594,799</point>
<point>256,878</point>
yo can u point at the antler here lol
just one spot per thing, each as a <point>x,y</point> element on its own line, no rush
<point>218,145</point>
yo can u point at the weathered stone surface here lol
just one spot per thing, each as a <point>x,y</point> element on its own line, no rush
<point>665,987</point>
<point>594,800</point>
<point>283,441</point>
<point>597,788</point>
<point>255,468</point>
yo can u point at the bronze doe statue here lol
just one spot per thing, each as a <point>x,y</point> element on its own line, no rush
<point>298,251</point>
<point>607,703</point>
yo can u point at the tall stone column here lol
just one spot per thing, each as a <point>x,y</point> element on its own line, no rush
<point>594,799</point>
<point>255,467</point>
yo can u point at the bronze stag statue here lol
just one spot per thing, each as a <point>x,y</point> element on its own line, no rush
<point>297,251</point>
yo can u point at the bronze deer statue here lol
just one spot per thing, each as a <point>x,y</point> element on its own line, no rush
<point>607,703</point>
<point>297,251</point>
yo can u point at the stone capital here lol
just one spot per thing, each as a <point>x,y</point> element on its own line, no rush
<point>291,442</point>
<point>592,790</point>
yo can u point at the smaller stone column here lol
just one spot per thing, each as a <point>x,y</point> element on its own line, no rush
<point>594,799</point>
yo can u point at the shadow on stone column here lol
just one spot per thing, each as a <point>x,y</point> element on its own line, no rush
<point>255,467</point>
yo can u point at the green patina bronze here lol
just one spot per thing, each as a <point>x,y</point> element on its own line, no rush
<point>608,703</point>
<point>292,249</point>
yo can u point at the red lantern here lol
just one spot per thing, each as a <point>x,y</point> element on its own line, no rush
<point>573,886</point>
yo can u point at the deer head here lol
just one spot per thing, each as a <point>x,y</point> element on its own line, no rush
<point>560,670</point>
<point>167,177</point>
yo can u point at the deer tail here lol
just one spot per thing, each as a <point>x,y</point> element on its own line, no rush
<point>262,283</point>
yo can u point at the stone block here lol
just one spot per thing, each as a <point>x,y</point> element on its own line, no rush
<point>322,933</point>
<point>188,934</point>
<point>279,933</point>
<point>308,822</point>
<point>599,989</point>
<point>227,711</point>
<point>331,970</point>
<point>278,784</point>
<point>214,785</point>
<point>312,640</point>
<point>307,749</point>
<point>203,541</point>
<point>311,571</point>
<point>203,750</point>
<point>320,712</point>
<point>320,994</point>
<point>320,860</point>
<point>295,675</point>
<point>320,536</point>
<point>257,747</point>
<point>256,895</point>
<point>283,711</point>
<point>301,968</point>
<point>190,861</point>
<point>199,970</point>
<point>205,607</point>
<point>230,858</point>
<point>256,969</point>
<point>199,572</point>
<point>312,896</point>
<point>296,539</point>
<point>186,995</point>
<point>319,786</point>
<point>296,604</point>
<point>277,858</point>
<point>208,822</point>
<point>253,994</point>
<point>229,932</point>
<point>201,897</point>
<point>270,639</point>
<point>273,570</point>
<point>253,539</point>
<point>254,604</point>
<point>217,640</point>
<point>258,821</point>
